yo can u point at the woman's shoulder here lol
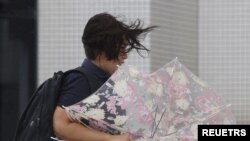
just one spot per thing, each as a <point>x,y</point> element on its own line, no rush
<point>75,77</point>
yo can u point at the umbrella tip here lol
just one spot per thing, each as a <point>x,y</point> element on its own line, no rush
<point>176,59</point>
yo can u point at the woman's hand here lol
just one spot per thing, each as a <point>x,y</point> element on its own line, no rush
<point>124,137</point>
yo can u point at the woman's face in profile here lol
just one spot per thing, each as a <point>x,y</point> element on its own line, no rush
<point>111,65</point>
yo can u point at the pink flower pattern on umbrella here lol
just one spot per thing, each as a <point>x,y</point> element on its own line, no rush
<point>111,105</point>
<point>164,105</point>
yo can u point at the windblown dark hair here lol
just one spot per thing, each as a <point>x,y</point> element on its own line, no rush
<point>104,33</point>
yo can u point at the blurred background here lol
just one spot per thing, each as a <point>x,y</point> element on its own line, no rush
<point>38,38</point>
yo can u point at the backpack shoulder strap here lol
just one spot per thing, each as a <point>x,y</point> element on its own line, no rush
<point>92,79</point>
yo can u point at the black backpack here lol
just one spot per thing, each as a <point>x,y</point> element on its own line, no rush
<point>35,123</point>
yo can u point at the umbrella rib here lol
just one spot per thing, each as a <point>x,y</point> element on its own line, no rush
<point>159,121</point>
<point>87,117</point>
<point>197,120</point>
<point>154,121</point>
<point>214,113</point>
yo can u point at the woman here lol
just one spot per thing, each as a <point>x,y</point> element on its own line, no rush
<point>107,42</point>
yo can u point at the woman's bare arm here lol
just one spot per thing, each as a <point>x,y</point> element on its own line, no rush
<point>68,130</point>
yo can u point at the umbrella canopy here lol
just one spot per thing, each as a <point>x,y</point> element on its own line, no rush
<point>185,101</point>
<point>166,104</point>
<point>120,105</point>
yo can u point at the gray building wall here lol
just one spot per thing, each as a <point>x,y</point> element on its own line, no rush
<point>177,35</point>
<point>210,37</point>
<point>224,52</point>
<point>61,24</point>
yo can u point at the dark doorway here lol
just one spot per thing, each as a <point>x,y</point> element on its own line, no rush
<point>18,45</point>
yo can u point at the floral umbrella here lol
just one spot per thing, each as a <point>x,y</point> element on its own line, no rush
<point>166,104</point>
<point>186,101</point>
<point>120,105</point>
